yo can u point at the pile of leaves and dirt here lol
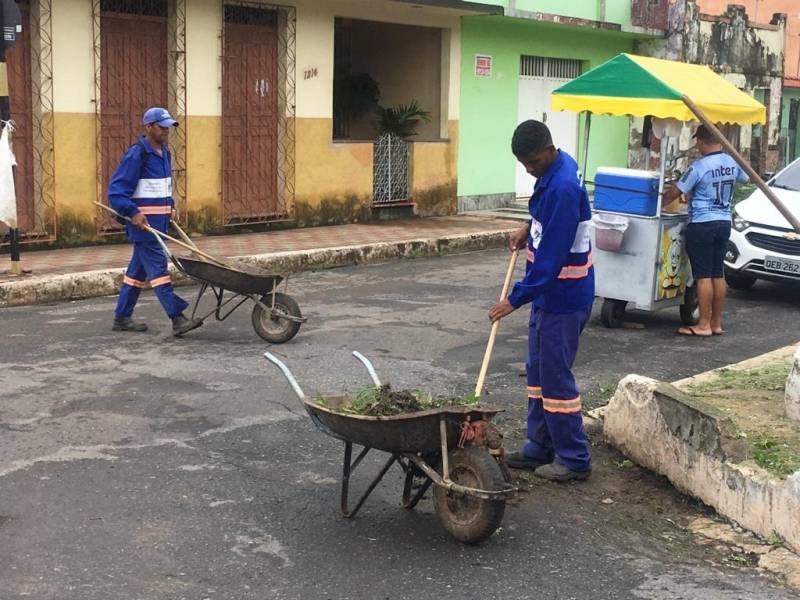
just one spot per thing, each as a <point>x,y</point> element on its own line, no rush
<point>383,401</point>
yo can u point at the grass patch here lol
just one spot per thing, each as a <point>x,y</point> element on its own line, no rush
<point>754,400</point>
<point>769,377</point>
<point>775,456</point>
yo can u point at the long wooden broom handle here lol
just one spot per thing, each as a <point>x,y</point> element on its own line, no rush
<point>490,346</point>
<point>168,237</point>
<point>754,177</point>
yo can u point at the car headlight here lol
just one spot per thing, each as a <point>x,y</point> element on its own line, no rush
<point>739,224</point>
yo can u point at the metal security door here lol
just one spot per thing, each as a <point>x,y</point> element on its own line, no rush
<point>250,116</point>
<point>133,77</point>
<point>20,91</point>
<point>539,76</point>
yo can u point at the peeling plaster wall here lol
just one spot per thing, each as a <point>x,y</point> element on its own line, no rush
<point>749,56</point>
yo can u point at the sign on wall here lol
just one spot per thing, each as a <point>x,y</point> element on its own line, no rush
<point>483,65</point>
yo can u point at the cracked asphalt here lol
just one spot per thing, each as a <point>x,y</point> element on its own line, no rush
<point>137,466</point>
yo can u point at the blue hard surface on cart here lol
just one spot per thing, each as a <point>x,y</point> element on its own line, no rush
<point>626,194</point>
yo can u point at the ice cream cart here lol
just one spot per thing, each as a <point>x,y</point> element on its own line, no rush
<point>638,247</point>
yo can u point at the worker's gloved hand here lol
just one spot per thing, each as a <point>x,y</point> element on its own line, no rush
<point>139,221</point>
<point>500,310</point>
<point>518,239</point>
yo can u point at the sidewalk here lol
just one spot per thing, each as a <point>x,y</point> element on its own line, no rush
<point>84,272</point>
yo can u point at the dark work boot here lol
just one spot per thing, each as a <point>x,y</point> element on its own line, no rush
<point>181,325</point>
<point>517,460</point>
<point>127,324</point>
<point>555,471</point>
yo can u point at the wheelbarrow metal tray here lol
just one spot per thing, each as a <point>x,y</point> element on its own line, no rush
<point>238,281</point>
<point>416,432</point>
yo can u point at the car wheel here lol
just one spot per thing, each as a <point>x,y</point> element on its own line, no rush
<point>739,281</point>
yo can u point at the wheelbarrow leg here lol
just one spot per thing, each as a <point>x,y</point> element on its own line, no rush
<point>408,501</point>
<point>348,469</point>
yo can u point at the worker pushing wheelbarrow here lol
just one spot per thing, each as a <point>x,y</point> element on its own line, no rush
<point>276,317</point>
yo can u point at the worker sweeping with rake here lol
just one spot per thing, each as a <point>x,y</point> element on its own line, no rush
<point>559,282</point>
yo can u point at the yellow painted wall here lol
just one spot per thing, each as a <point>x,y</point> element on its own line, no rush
<point>76,171</point>
<point>324,169</point>
<point>204,135</point>
<point>433,174</point>
<point>74,121</point>
<point>203,64</point>
<point>73,57</point>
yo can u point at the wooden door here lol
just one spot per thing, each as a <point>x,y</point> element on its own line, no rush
<point>20,92</point>
<point>133,77</point>
<point>250,117</point>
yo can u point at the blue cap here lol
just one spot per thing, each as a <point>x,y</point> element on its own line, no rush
<point>159,116</point>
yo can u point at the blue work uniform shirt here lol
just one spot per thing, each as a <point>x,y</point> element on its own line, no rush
<point>143,183</point>
<point>559,276</point>
<point>710,181</point>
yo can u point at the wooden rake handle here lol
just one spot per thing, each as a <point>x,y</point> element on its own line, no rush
<point>190,246</point>
<point>490,346</point>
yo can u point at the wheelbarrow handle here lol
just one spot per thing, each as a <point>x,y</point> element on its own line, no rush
<point>369,366</point>
<point>292,381</point>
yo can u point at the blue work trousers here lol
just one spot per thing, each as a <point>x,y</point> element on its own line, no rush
<point>555,422</point>
<point>148,263</point>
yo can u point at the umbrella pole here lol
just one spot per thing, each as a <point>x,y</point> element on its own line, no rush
<point>754,177</point>
<point>586,131</point>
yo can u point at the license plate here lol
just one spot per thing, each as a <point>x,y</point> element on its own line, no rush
<point>782,265</point>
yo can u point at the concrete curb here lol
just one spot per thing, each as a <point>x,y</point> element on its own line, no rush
<point>696,448</point>
<point>91,284</point>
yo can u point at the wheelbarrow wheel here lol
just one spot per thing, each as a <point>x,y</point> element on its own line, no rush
<point>468,519</point>
<point>276,330</point>
<point>612,313</point>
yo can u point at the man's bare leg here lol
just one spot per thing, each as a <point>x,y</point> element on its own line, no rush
<point>718,303</point>
<point>705,298</point>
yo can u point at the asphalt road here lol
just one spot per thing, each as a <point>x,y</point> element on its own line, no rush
<point>137,466</point>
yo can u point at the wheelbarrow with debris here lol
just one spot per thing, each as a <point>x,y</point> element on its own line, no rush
<point>276,317</point>
<point>454,448</point>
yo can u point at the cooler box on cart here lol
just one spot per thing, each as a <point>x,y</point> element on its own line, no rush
<point>629,191</point>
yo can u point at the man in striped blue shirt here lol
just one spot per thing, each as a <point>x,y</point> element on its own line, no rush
<point>141,189</point>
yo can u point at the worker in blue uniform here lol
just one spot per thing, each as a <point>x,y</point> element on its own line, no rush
<point>559,282</point>
<point>141,189</point>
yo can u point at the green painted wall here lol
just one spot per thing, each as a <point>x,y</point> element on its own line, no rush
<point>488,112</point>
<point>617,11</point>
<point>789,94</point>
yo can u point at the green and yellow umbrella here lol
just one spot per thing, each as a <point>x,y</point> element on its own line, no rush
<point>640,86</point>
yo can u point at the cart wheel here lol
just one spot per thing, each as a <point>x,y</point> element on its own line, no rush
<point>690,309</point>
<point>275,329</point>
<point>612,313</point>
<point>468,519</point>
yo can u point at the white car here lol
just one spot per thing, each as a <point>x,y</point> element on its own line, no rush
<point>762,244</point>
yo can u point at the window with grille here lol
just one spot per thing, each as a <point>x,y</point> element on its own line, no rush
<point>551,68</point>
<point>148,8</point>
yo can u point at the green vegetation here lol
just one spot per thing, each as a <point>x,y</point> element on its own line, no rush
<point>775,456</point>
<point>753,399</point>
<point>770,377</point>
